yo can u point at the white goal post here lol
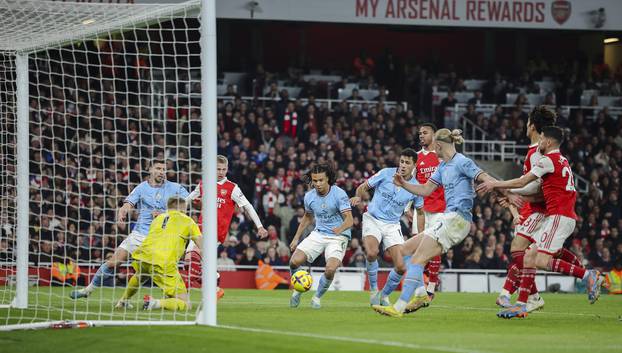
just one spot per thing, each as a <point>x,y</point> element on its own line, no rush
<point>90,94</point>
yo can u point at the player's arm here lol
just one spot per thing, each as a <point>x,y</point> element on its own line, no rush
<point>194,195</point>
<point>492,184</point>
<point>360,194</point>
<point>421,190</point>
<point>130,202</point>
<point>242,202</point>
<point>348,222</point>
<point>420,220</point>
<point>196,235</point>
<point>307,219</point>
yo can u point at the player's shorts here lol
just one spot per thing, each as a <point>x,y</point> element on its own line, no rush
<point>389,234</point>
<point>430,218</point>
<point>170,282</point>
<point>317,243</point>
<point>554,232</point>
<point>450,229</point>
<point>530,226</point>
<point>132,241</point>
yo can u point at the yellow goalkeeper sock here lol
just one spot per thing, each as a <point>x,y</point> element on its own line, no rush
<point>132,287</point>
<point>173,304</point>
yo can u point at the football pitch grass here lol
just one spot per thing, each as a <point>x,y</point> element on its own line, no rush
<point>261,321</point>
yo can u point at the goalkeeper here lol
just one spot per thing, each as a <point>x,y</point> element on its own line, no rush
<point>157,258</point>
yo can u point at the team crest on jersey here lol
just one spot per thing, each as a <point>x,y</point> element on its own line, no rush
<point>223,192</point>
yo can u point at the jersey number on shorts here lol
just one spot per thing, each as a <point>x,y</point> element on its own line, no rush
<point>570,183</point>
<point>164,222</point>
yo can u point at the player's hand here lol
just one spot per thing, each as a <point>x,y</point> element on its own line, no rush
<point>262,233</point>
<point>293,245</point>
<point>355,201</point>
<point>336,231</point>
<point>398,180</point>
<point>154,214</point>
<point>515,200</point>
<point>504,202</point>
<point>517,220</point>
<point>486,187</point>
<point>121,216</point>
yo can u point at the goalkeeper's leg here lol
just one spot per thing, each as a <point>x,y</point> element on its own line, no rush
<point>132,287</point>
<point>175,291</point>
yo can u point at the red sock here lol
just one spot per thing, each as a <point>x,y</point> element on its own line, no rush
<point>512,280</point>
<point>561,266</point>
<point>527,280</point>
<point>568,256</point>
<point>533,289</point>
<point>432,267</point>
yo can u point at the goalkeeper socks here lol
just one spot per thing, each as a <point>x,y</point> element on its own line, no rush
<point>413,281</point>
<point>392,282</point>
<point>372,274</point>
<point>103,273</point>
<point>323,286</point>
<point>173,304</point>
<point>132,287</point>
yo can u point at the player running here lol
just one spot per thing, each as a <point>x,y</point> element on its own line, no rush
<point>560,197</point>
<point>228,196</point>
<point>149,198</point>
<point>330,207</point>
<point>381,222</point>
<point>156,258</point>
<point>433,205</point>
<point>456,174</point>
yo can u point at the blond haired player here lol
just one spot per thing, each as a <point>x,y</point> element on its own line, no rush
<point>157,258</point>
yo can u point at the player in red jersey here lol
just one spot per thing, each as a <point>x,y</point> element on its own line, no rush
<point>433,205</point>
<point>560,197</point>
<point>228,196</point>
<point>531,214</point>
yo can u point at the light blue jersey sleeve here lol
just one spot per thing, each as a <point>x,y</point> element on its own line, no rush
<point>469,168</point>
<point>377,178</point>
<point>134,196</point>
<point>307,203</point>
<point>437,177</point>
<point>418,201</point>
<point>343,201</point>
<point>180,191</point>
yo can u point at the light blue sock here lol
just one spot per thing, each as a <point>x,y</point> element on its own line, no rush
<point>372,274</point>
<point>392,282</point>
<point>323,286</point>
<point>103,272</point>
<point>414,280</point>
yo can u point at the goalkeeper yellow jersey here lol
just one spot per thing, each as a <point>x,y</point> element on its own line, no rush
<point>167,240</point>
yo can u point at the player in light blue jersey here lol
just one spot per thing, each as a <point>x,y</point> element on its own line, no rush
<point>381,222</point>
<point>149,198</point>
<point>456,174</point>
<point>330,207</point>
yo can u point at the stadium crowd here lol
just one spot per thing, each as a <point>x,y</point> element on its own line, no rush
<point>85,158</point>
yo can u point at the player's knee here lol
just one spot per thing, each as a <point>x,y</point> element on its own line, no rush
<point>400,268</point>
<point>372,254</point>
<point>330,272</point>
<point>542,262</point>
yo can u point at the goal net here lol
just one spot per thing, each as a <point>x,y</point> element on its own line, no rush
<point>100,90</point>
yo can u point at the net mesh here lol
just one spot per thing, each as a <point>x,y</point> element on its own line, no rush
<point>110,89</point>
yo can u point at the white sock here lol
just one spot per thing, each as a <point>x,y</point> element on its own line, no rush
<point>431,287</point>
<point>154,304</point>
<point>420,291</point>
<point>400,305</point>
<point>505,293</point>
<point>88,289</point>
<point>587,273</point>
<point>296,293</point>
